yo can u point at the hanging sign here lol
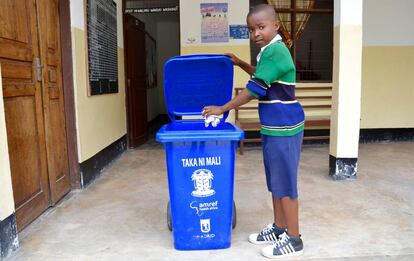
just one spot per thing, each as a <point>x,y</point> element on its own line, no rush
<point>151,10</point>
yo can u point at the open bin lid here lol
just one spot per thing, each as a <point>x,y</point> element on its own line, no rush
<point>194,81</point>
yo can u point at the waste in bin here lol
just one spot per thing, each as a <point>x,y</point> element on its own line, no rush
<point>200,160</point>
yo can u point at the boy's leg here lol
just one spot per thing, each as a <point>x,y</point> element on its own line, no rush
<point>278,213</point>
<point>285,186</point>
<point>272,232</point>
<point>291,214</point>
<point>290,243</point>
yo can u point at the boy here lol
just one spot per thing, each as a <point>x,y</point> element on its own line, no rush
<point>282,123</point>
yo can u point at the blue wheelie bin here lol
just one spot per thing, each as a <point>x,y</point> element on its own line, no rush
<point>200,159</point>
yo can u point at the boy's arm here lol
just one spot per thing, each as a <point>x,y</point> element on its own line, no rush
<point>242,98</point>
<point>250,69</point>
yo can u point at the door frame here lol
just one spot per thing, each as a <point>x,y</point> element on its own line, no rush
<point>127,109</point>
<point>68,90</point>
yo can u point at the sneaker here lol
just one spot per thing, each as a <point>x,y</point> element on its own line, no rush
<point>285,246</point>
<point>268,235</point>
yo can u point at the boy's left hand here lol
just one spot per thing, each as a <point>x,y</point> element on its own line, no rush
<point>234,58</point>
<point>212,110</point>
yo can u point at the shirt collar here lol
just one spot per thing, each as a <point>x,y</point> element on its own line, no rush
<point>277,38</point>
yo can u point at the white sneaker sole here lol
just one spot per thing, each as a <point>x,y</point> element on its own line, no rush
<point>254,241</point>
<point>297,253</point>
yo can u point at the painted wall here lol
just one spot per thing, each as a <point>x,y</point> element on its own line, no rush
<point>387,65</point>
<point>6,191</point>
<point>101,119</point>
<point>190,28</point>
<point>387,61</point>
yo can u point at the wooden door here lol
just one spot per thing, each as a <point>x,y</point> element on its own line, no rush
<point>22,92</point>
<point>53,103</point>
<point>33,105</point>
<point>136,89</point>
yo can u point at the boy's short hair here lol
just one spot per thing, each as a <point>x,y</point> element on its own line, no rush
<point>263,7</point>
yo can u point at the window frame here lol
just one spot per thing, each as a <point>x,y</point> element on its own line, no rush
<point>293,11</point>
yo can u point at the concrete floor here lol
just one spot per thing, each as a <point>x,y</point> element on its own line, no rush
<point>122,215</point>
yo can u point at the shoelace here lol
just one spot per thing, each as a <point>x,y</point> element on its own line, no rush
<point>283,239</point>
<point>267,229</point>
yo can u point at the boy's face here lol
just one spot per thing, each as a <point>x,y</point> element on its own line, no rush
<point>263,28</point>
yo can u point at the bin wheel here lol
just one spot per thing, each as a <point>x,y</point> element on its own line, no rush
<point>169,222</point>
<point>234,216</point>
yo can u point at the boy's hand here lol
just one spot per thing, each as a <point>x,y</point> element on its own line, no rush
<point>242,64</point>
<point>212,110</point>
<point>234,58</point>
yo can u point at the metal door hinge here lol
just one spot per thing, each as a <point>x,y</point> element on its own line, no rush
<point>39,67</point>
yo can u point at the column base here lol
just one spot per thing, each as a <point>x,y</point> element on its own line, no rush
<point>342,168</point>
<point>9,241</point>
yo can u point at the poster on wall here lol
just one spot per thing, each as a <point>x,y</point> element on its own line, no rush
<point>239,32</point>
<point>214,23</point>
<point>102,47</point>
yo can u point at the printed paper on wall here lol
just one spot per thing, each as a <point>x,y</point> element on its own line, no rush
<point>214,22</point>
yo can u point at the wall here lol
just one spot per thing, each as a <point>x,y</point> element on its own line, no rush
<point>387,61</point>
<point>6,192</point>
<point>101,119</point>
<point>387,65</point>
<point>190,27</point>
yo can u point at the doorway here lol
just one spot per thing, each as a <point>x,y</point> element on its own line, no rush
<point>162,30</point>
<point>136,84</point>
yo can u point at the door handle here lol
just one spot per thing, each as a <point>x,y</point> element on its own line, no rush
<point>39,67</point>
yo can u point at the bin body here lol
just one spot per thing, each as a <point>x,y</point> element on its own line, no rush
<point>200,180</point>
<point>200,160</point>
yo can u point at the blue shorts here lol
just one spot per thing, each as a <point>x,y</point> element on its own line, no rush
<point>281,160</point>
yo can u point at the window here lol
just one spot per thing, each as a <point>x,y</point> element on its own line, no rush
<point>311,43</point>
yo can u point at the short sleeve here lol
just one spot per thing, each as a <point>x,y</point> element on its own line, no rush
<point>256,87</point>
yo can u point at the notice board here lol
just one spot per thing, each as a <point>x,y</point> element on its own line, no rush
<point>102,46</point>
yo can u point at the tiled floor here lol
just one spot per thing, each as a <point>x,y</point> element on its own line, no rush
<point>122,215</point>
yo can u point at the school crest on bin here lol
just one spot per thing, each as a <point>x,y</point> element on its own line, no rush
<point>205,225</point>
<point>202,179</point>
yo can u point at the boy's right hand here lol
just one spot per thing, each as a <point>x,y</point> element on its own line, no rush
<point>234,58</point>
<point>212,110</point>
